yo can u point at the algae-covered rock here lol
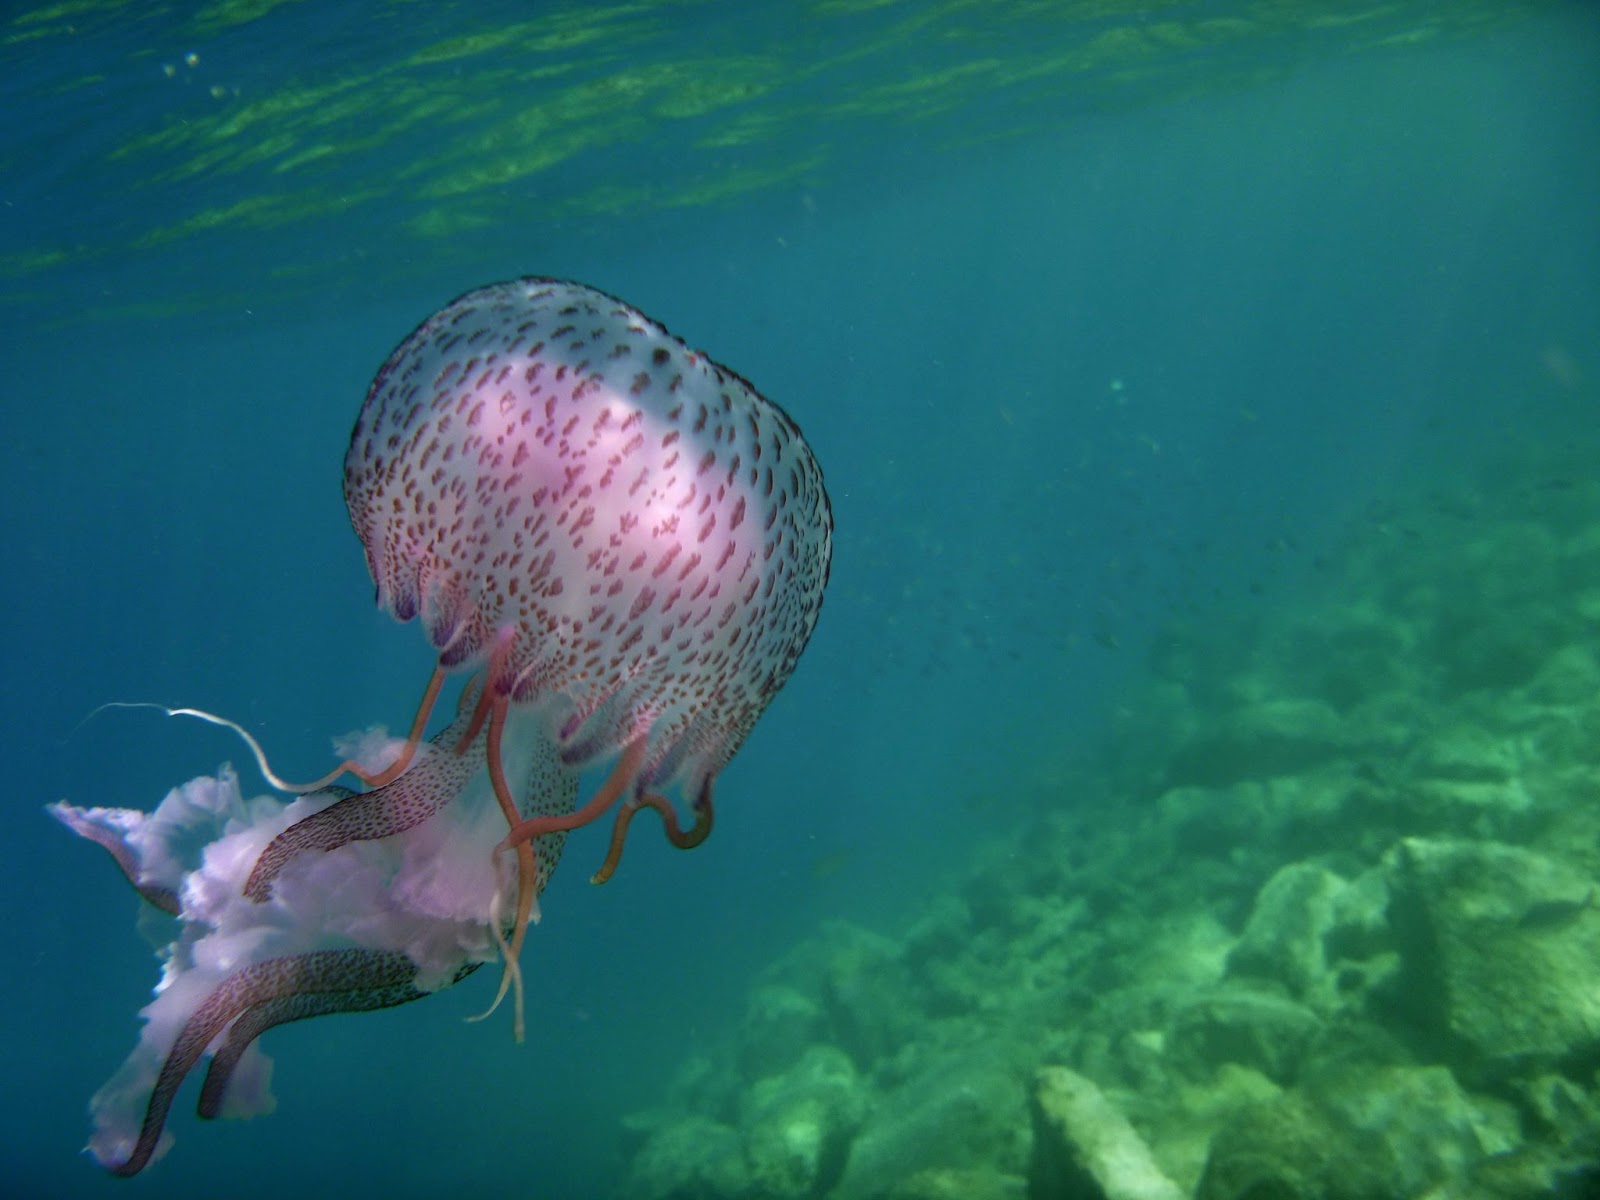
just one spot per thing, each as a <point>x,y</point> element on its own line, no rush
<point>942,932</point>
<point>1465,778</point>
<point>1501,949</point>
<point>1084,1147</point>
<point>704,1083</point>
<point>1465,752</point>
<point>1569,678</point>
<point>1250,1028</point>
<point>1567,1113</point>
<point>868,997</point>
<point>1434,1131</point>
<point>1323,939</point>
<point>798,1126</point>
<point>1180,1126</point>
<point>1280,736</point>
<point>1283,940</point>
<point>692,1158</point>
<point>963,1108</point>
<point>779,1023</point>
<point>1345,653</point>
<point>1342,944</point>
<point>1364,1135</point>
<point>1530,1173</point>
<point>1290,1150</point>
<point>949,1183</point>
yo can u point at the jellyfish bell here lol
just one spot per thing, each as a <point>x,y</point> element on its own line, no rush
<point>621,545</point>
<point>540,462</point>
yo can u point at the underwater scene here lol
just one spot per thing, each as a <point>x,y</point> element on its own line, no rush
<point>1077,519</point>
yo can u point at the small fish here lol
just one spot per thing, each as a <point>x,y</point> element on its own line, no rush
<point>830,865</point>
<point>1555,914</point>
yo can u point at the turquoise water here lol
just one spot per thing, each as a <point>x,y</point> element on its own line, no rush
<point>1097,317</point>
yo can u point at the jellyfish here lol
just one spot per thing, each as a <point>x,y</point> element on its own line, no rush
<point>621,546</point>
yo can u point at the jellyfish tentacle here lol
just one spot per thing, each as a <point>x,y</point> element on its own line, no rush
<point>527,879</point>
<point>493,689</point>
<point>552,790</point>
<point>321,971</point>
<point>393,808</point>
<point>378,779</point>
<point>419,723</point>
<point>393,771</point>
<point>480,713</point>
<point>622,777</point>
<point>683,839</point>
<point>511,970</point>
<point>519,839</point>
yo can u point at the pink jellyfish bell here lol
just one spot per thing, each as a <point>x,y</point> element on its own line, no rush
<point>624,546</point>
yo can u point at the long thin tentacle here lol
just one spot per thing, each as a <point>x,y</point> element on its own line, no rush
<point>402,760</point>
<point>527,881</point>
<point>519,838</point>
<point>552,788</point>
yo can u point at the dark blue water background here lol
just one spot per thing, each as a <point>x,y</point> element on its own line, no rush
<point>1077,364</point>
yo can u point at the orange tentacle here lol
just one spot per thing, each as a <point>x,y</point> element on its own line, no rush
<point>479,714</point>
<point>388,775</point>
<point>413,739</point>
<point>621,777</point>
<point>682,839</point>
<point>491,695</point>
<point>527,868</point>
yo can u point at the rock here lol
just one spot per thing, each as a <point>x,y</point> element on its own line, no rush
<point>1569,1114</point>
<point>1505,651</point>
<point>1182,1123</point>
<point>942,932</point>
<point>1214,822</point>
<point>1569,678</point>
<point>1532,1173</point>
<point>779,1023</point>
<point>706,1084</point>
<point>1361,1135</point>
<point>1501,950</point>
<point>1283,939</point>
<point>1349,653</point>
<point>798,1126</point>
<point>1465,753</point>
<point>690,1159</point>
<point>964,1107</point>
<point>1289,1150</point>
<point>1467,779</point>
<point>947,1183</point>
<point>1084,1148</point>
<point>1321,938</point>
<point>1434,1132</point>
<point>868,997</point>
<point>1242,1026</point>
<point>1281,736</point>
